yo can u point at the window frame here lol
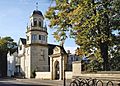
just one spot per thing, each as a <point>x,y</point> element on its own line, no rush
<point>34,37</point>
<point>35,22</point>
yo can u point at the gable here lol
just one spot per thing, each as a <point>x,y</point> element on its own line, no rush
<point>56,50</point>
<point>51,48</point>
<point>21,45</point>
<point>23,41</point>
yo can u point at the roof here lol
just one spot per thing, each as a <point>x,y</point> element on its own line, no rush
<point>52,46</point>
<point>23,40</point>
<point>37,12</point>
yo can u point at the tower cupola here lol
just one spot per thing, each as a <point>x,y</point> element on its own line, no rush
<point>37,12</point>
<point>37,19</point>
<point>36,30</point>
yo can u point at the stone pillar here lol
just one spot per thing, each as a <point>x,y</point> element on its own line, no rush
<point>76,68</point>
<point>51,67</point>
<point>61,68</point>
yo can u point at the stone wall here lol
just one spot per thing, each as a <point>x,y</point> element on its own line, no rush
<point>76,68</point>
<point>47,75</point>
<point>76,72</point>
<point>68,74</point>
<point>43,75</point>
<point>99,74</point>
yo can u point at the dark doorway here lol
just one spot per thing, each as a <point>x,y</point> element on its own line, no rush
<point>57,72</point>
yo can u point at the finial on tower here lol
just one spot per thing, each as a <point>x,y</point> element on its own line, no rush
<point>37,6</point>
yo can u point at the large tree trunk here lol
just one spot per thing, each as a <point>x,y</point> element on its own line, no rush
<point>104,54</point>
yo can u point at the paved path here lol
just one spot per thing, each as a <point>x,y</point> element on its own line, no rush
<point>45,82</point>
<point>11,82</point>
<point>39,82</point>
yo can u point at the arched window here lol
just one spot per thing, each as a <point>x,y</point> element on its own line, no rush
<point>39,37</point>
<point>35,22</point>
<point>40,24</point>
<point>34,36</point>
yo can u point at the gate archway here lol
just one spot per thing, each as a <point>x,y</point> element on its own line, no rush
<point>57,70</point>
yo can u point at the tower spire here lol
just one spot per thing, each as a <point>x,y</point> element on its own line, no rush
<point>37,6</point>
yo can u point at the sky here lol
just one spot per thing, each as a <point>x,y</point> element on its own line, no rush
<point>14,17</point>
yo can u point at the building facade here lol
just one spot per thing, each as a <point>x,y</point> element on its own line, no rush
<point>11,62</point>
<point>35,53</point>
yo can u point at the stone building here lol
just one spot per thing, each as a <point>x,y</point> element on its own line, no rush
<point>11,62</point>
<point>36,55</point>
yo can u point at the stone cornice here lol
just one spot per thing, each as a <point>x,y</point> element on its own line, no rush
<point>36,30</point>
<point>37,44</point>
<point>56,55</point>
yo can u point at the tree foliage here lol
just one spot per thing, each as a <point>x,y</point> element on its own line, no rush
<point>90,22</point>
<point>6,44</point>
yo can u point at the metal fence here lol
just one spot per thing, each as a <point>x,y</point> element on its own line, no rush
<point>93,82</point>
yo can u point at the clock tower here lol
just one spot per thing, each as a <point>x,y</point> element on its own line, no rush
<point>36,45</point>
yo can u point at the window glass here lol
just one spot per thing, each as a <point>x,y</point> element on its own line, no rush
<point>43,38</point>
<point>34,37</point>
<point>35,22</point>
<point>39,37</point>
<point>40,24</point>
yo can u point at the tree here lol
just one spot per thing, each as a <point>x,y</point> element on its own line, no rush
<point>6,44</point>
<point>89,22</point>
<point>115,55</point>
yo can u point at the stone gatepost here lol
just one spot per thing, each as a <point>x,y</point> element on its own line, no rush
<point>76,68</point>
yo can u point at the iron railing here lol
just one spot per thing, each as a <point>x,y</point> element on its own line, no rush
<point>93,82</point>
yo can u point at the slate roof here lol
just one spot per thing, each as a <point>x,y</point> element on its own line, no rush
<point>23,40</point>
<point>52,46</point>
<point>37,12</point>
